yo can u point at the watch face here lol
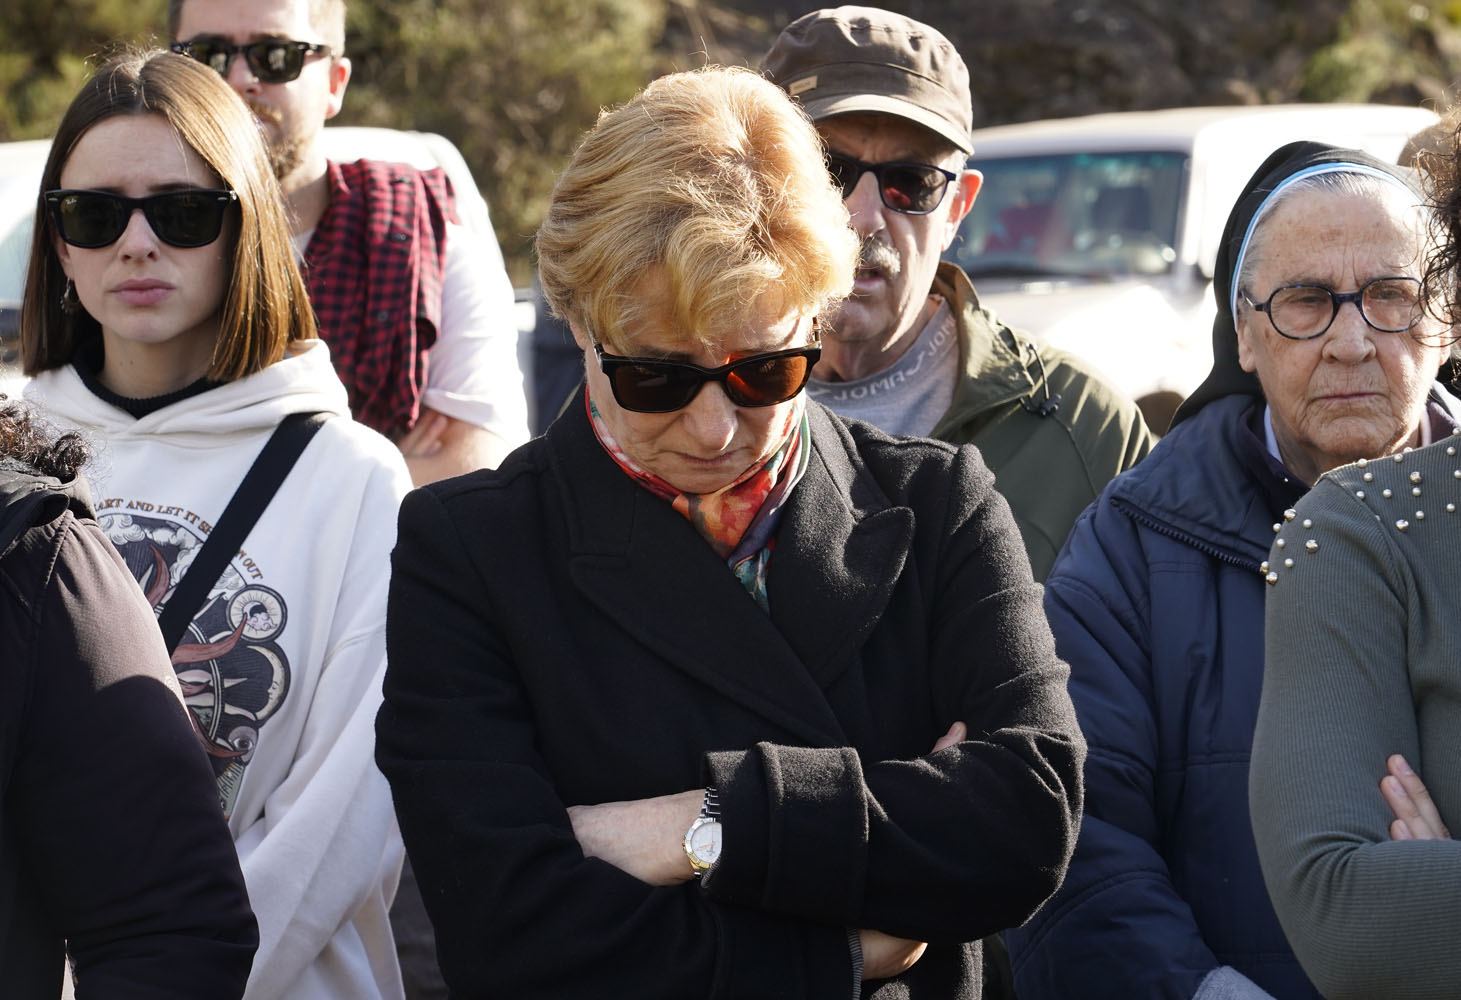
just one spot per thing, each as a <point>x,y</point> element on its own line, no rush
<point>705,842</point>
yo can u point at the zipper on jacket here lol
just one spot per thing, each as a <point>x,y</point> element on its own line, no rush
<point>1185,537</point>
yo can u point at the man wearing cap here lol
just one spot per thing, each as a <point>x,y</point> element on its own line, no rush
<point>911,350</point>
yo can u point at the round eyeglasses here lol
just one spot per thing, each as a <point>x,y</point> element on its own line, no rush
<point>1303,312</point>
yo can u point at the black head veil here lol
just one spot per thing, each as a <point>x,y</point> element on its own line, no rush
<point>1226,377</point>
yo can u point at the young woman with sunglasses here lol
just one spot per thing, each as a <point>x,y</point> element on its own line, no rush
<point>164,317</point>
<point>707,692</point>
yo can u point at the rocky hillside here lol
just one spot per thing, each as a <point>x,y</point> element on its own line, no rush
<point>1052,58</point>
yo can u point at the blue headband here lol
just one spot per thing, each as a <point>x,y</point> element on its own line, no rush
<point>1336,167</point>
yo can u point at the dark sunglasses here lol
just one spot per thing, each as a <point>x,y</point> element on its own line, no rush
<point>909,188</point>
<point>192,217</point>
<point>646,385</point>
<point>273,60</point>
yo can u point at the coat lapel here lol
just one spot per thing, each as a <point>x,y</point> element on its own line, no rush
<point>840,552</point>
<point>644,567</point>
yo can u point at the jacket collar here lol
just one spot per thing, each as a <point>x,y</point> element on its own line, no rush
<point>23,498</point>
<point>1205,484</point>
<point>997,364</point>
<point>1211,482</point>
<point>839,551</point>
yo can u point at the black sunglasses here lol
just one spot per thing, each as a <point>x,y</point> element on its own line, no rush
<point>646,385</point>
<point>909,188</point>
<point>273,60</point>
<point>192,217</point>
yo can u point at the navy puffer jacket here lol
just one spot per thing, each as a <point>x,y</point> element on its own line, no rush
<point>1156,602</point>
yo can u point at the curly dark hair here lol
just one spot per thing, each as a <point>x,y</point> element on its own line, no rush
<point>23,440</point>
<point>1436,156</point>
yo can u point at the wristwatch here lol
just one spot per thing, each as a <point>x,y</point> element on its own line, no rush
<point>703,839</point>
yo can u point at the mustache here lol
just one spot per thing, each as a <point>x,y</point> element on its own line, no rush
<point>875,255</point>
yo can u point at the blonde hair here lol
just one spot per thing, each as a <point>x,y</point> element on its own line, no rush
<point>713,184</point>
<point>266,306</point>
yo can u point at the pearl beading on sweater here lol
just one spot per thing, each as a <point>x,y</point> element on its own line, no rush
<point>1403,522</point>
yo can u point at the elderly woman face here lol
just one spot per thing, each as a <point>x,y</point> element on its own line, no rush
<point>710,442</point>
<point>1353,391</point>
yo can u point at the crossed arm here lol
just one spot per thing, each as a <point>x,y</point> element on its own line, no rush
<point>1416,815</point>
<point>487,758</point>
<point>643,838</point>
<point>1349,895</point>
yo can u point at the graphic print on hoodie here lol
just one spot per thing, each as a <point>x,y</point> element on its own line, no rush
<point>283,662</point>
<point>233,672</point>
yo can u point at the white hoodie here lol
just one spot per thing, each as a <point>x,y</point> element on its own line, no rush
<point>282,666</point>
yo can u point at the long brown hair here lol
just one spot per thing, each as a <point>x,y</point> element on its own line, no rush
<point>266,306</point>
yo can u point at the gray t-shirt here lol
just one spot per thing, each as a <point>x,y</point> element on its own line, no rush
<point>910,396</point>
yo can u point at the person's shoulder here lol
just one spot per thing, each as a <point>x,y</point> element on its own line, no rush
<point>387,175</point>
<point>1072,371</point>
<point>1358,516</point>
<point>349,441</point>
<point>37,533</point>
<point>1192,503</point>
<point>384,171</point>
<point>1408,495</point>
<point>509,509</point>
<point>1088,396</point>
<point>909,470</point>
<point>1406,472</point>
<point>29,500</point>
<point>345,452</point>
<point>521,474</point>
<point>1208,436</point>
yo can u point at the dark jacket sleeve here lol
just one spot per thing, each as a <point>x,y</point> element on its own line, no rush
<point>112,800</point>
<point>1117,928</point>
<point>490,839</point>
<point>942,847</point>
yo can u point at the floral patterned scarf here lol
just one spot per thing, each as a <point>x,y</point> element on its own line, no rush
<point>740,519</point>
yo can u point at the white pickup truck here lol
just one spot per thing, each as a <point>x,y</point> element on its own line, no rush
<point>1098,234</point>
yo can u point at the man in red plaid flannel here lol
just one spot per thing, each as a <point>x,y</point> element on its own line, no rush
<point>417,309</point>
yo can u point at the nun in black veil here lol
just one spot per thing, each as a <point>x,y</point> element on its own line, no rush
<point>1157,600</point>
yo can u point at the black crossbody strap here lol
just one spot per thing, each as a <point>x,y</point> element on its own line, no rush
<point>259,485</point>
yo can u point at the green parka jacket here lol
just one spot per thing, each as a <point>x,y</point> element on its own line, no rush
<point>1052,430</point>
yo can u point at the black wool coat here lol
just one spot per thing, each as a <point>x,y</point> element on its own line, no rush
<point>558,635</point>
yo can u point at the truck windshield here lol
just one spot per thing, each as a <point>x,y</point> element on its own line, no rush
<point>1077,215</point>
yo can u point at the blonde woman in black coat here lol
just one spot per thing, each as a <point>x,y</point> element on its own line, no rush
<point>708,692</point>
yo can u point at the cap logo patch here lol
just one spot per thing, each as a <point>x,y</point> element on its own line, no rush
<point>801,86</point>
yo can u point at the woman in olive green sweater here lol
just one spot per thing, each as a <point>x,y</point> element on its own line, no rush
<point>1363,661</point>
